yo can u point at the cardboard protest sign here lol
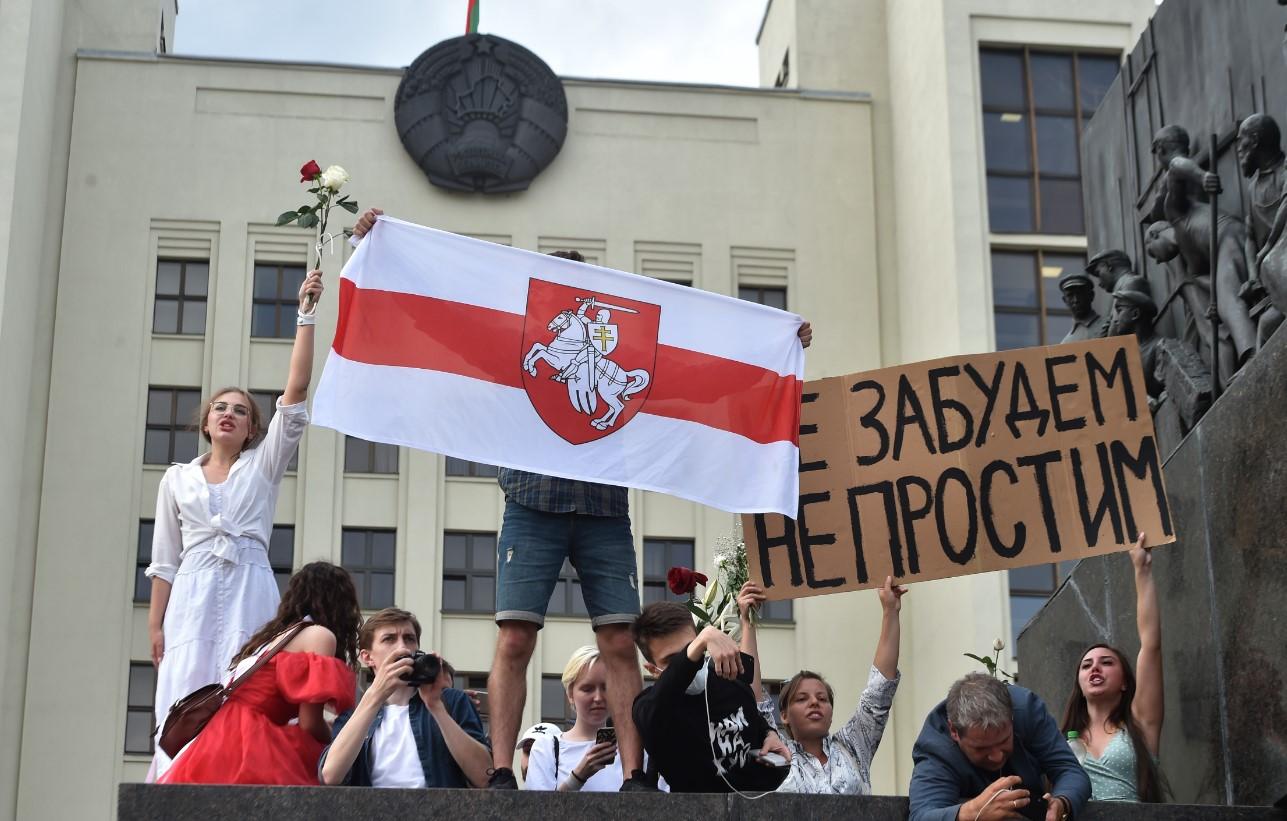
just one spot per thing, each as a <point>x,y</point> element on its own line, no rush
<point>965,465</point>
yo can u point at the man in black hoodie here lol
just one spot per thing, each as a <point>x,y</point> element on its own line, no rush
<point>702,731</point>
<point>983,753</point>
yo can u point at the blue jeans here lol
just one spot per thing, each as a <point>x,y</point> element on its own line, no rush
<point>530,554</point>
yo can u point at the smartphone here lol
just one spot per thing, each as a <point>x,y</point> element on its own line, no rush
<point>606,735</point>
<point>479,697</point>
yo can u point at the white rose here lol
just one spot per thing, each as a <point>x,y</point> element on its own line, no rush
<point>334,177</point>
<point>998,645</point>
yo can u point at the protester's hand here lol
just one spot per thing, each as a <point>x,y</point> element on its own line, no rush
<point>805,332</point>
<point>751,595</point>
<point>1211,183</point>
<point>431,693</point>
<point>1001,799</point>
<point>157,635</point>
<point>365,222</point>
<point>891,595</point>
<point>773,743</point>
<point>311,291</point>
<point>388,678</point>
<point>723,652</point>
<point>1141,556</point>
<point>596,758</point>
<point>476,698</point>
<point>1056,807</point>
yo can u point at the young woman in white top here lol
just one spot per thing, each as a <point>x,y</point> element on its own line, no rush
<point>575,760</point>
<point>212,584</point>
<point>836,763</point>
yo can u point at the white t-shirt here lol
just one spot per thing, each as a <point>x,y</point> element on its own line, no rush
<point>395,761</point>
<point>541,774</point>
<point>540,766</point>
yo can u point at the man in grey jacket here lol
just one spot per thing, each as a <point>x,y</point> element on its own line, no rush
<point>983,752</point>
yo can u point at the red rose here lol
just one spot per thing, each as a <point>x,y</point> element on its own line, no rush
<point>683,581</point>
<point>309,171</point>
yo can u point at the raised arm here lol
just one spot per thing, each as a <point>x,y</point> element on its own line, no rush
<point>301,355</point>
<point>891,602</point>
<point>1148,706</point>
<point>749,598</point>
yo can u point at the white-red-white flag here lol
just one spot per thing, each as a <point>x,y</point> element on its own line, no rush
<point>513,358</point>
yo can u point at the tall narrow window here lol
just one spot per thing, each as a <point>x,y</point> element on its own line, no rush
<point>463,467</point>
<point>1028,306</point>
<point>142,584</point>
<point>168,434</point>
<point>181,289</point>
<point>361,456</point>
<point>281,554</point>
<point>659,556</point>
<point>774,297</point>
<point>469,572</point>
<point>368,555</point>
<point>139,717</point>
<point>1035,105</point>
<point>275,301</point>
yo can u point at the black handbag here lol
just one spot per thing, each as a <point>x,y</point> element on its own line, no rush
<point>193,712</point>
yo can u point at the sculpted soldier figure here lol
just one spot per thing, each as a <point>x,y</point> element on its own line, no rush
<point>1134,312</point>
<point>1106,268</point>
<point>1182,202</point>
<point>1079,295</point>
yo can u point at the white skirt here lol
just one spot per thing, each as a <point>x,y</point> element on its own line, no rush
<point>215,607</point>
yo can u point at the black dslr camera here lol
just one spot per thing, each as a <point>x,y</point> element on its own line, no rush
<point>425,668</point>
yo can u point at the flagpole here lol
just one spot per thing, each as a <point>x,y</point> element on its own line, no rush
<point>471,17</point>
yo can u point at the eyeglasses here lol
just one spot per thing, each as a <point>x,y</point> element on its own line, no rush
<point>237,410</point>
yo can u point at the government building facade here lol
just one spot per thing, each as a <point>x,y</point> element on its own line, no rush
<point>906,177</point>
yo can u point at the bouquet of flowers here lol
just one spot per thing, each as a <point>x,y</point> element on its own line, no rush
<point>718,605</point>
<point>326,188</point>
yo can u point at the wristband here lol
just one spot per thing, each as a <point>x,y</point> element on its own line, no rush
<point>302,318</point>
<point>574,782</point>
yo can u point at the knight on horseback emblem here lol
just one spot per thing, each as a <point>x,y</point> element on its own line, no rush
<point>579,356</point>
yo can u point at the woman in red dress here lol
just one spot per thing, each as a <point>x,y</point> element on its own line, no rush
<point>251,740</point>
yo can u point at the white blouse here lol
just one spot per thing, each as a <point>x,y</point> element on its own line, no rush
<point>183,518</point>
<point>849,750</point>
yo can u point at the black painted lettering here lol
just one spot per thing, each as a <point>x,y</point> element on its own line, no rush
<point>1058,389</point>
<point>787,540</point>
<point>1039,463</point>
<point>1115,370</point>
<point>809,430</point>
<point>966,551</point>
<point>911,515</point>
<point>1107,504</point>
<point>1145,464</point>
<point>909,411</point>
<point>1007,551</point>
<point>941,404</point>
<point>1033,411</point>
<point>990,393</point>
<point>885,489</point>
<point>870,421</point>
<point>808,540</point>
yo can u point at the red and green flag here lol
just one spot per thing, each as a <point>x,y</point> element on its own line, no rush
<point>471,18</point>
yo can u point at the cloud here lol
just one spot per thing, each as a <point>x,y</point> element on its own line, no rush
<point>693,41</point>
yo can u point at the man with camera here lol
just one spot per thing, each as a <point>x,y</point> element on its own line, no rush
<point>409,729</point>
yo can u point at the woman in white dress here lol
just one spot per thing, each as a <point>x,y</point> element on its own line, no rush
<point>212,584</point>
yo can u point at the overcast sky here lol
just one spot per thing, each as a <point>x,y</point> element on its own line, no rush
<point>695,41</point>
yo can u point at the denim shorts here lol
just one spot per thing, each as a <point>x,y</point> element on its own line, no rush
<point>530,554</point>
